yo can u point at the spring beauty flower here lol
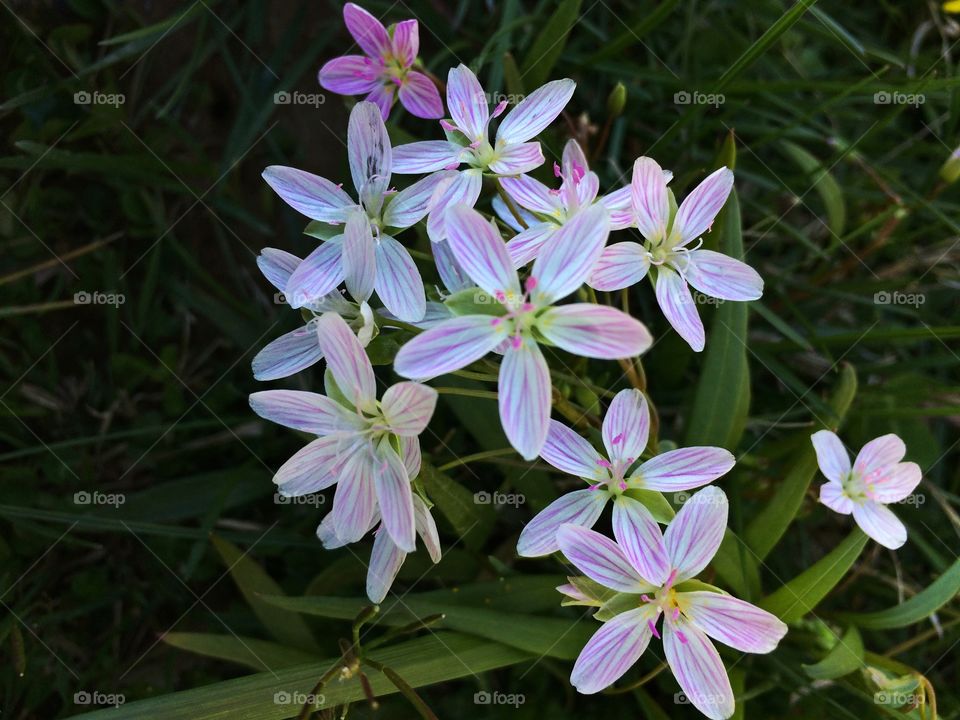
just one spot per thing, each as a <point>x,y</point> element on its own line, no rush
<point>877,478</point>
<point>667,237</point>
<point>519,320</point>
<point>366,255</point>
<point>361,442</point>
<point>299,349</point>
<point>548,209</point>
<point>651,569</point>
<point>511,153</point>
<point>385,72</point>
<point>626,427</point>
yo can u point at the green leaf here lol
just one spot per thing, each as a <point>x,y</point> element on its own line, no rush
<point>471,521</point>
<point>321,230</point>
<point>655,502</point>
<point>915,609</point>
<point>286,627</point>
<point>722,399</point>
<point>804,592</point>
<point>436,658</point>
<point>646,21</point>
<point>549,44</point>
<point>825,185</point>
<point>473,301</point>
<point>261,655</point>
<point>770,523</point>
<point>845,658</point>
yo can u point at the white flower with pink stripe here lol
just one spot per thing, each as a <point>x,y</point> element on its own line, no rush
<point>877,478</point>
<point>654,567</point>
<point>626,428</point>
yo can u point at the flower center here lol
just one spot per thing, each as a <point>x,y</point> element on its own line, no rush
<point>665,602</point>
<point>859,487</point>
<point>521,313</point>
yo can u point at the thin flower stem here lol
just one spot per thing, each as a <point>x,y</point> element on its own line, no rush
<point>642,681</point>
<point>467,392</point>
<point>476,456</point>
<point>571,412</point>
<point>470,375</point>
<point>508,201</point>
<point>398,323</point>
<point>405,689</point>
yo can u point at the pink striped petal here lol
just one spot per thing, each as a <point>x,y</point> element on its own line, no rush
<point>574,158</point>
<point>277,266</point>
<point>524,247</point>
<point>524,398</point>
<point>385,562</point>
<point>697,666</point>
<point>693,536</point>
<point>620,205</point>
<point>369,32</point>
<point>535,112</point>
<point>426,156</point>
<point>569,258</point>
<point>359,260</point>
<point>719,276</point>
<point>507,217</point>
<point>897,482</point>
<point>879,522</point>
<point>308,194</point>
<point>406,42</point>
<point>407,407</point>
<point>410,205</point>
<point>449,346</point>
<point>319,273</point>
<point>678,306</point>
<point>288,354</point>
<point>411,455</point>
<point>626,426</point>
<point>395,497</point>
<point>613,650</point>
<point>832,495</point>
<point>382,96</point>
<point>649,199</point>
<point>399,284</point>
<point>350,75</point>
<point>581,507</point>
<point>420,96</point>
<point>639,536</point>
<point>480,250</point>
<point>461,189</point>
<point>347,361</point>
<point>698,210</point>
<point>517,158</point>
<point>307,411</point>
<point>467,103</point>
<point>832,456</point>
<point>620,265</point>
<point>426,528</point>
<point>684,468</point>
<point>315,466</point>
<point>733,622</point>
<point>453,276</point>
<point>354,502</point>
<point>587,189</point>
<point>594,331</point>
<point>878,455</point>
<point>600,559</point>
<point>328,536</point>
<point>571,453</point>
<point>368,147</point>
<point>531,194</point>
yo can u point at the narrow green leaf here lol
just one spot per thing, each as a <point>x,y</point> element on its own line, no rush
<point>771,522</point>
<point>549,44</point>
<point>470,520</point>
<point>261,655</point>
<point>845,658</point>
<point>825,185</point>
<point>804,592</point>
<point>645,22</point>
<point>286,627</point>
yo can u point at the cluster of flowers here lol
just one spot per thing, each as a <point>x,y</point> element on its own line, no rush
<point>504,297</point>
